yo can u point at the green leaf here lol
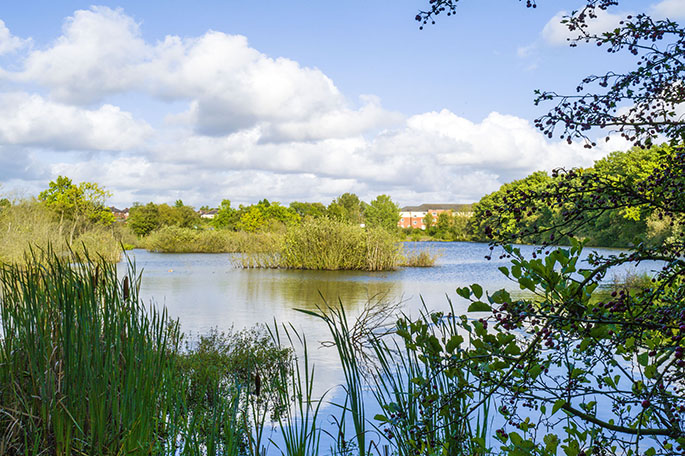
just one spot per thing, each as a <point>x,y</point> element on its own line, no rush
<point>464,292</point>
<point>381,418</point>
<point>454,342</point>
<point>643,359</point>
<point>526,282</point>
<point>477,290</point>
<point>479,306</point>
<point>557,405</point>
<point>551,443</point>
<point>504,270</point>
<point>515,438</point>
<point>650,371</point>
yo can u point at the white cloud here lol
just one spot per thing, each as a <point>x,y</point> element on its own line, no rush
<point>33,121</point>
<point>435,156</point>
<point>8,42</point>
<point>91,59</point>
<point>555,33</point>
<point>671,9</point>
<point>252,126</point>
<point>228,85</point>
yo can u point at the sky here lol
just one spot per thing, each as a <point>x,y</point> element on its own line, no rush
<point>291,101</point>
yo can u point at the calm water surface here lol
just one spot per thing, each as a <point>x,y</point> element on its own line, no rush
<point>204,291</point>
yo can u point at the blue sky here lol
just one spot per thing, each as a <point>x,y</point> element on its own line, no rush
<point>286,100</point>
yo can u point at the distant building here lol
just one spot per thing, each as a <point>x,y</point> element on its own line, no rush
<point>119,214</point>
<point>208,214</point>
<point>412,216</point>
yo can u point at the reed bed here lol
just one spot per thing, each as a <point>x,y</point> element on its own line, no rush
<point>84,369</point>
<point>329,245</point>
<point>420,259</point>
<point>173,239</point>
<point>29,224</point>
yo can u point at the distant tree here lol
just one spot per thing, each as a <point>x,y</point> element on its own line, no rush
<point>444,222</point>
<point>178,203</point>
<point>382,212</point>
<point>226,216</point>
<point>352,206</point>
<point>251,219</point>
<point>428,221</point>
<point>5,203</point>
<point>143,219</point>
<point>281,214</point>
<point>314,210</point>
<point>78,205</point>
<point>336,211</point>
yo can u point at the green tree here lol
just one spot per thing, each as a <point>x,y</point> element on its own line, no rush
<point>513,223</point>
<point>428,221</point>
<point>143,220</point>
<point>78,205</point>
<point>226,216</point>
<point>336,211</point>
<point>352,205</point>
<point>608,368</point>
<point>251,220</point>
<point>382,212</point>
<point>314,210</point>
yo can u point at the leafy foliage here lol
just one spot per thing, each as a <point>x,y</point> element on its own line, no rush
<point>640,104</point>
<point>382,212</point>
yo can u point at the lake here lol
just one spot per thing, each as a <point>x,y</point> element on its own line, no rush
<point>205,291</point>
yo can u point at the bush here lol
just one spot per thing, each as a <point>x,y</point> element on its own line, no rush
<point>331,245</point>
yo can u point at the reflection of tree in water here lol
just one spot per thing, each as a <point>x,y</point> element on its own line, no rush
<point>308,289</point>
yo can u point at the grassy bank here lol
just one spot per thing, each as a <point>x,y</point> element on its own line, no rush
<point>173,239</point>
<point>30,224</point>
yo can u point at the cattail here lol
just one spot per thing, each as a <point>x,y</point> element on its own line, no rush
<point>257,384</point>
<point>94,279</point>
<point>126,288</point>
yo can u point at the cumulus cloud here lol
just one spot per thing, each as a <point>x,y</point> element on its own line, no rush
<point>8,42</point>
<point>435,156</point>
<point>229,86</point>
<point>90,60</point>
<point>29,119</point>
<point>555,33</point>
<point>672,9</point>
<point>251,126</point>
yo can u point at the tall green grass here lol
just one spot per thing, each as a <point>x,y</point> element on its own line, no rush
<point>329,245</point>
<point>174,239</point>
<point>84,369</point>
<point>28,223</point>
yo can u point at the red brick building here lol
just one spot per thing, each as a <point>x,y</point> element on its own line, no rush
<point>412,216</point>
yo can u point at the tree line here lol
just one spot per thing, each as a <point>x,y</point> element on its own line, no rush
<point>265,215</point>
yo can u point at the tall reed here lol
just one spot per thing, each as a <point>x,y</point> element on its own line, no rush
<point>339,327</point>
<point>330,245</point>
<point>298,424</point>
<point>174,239</point>
<point>83,367</point>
